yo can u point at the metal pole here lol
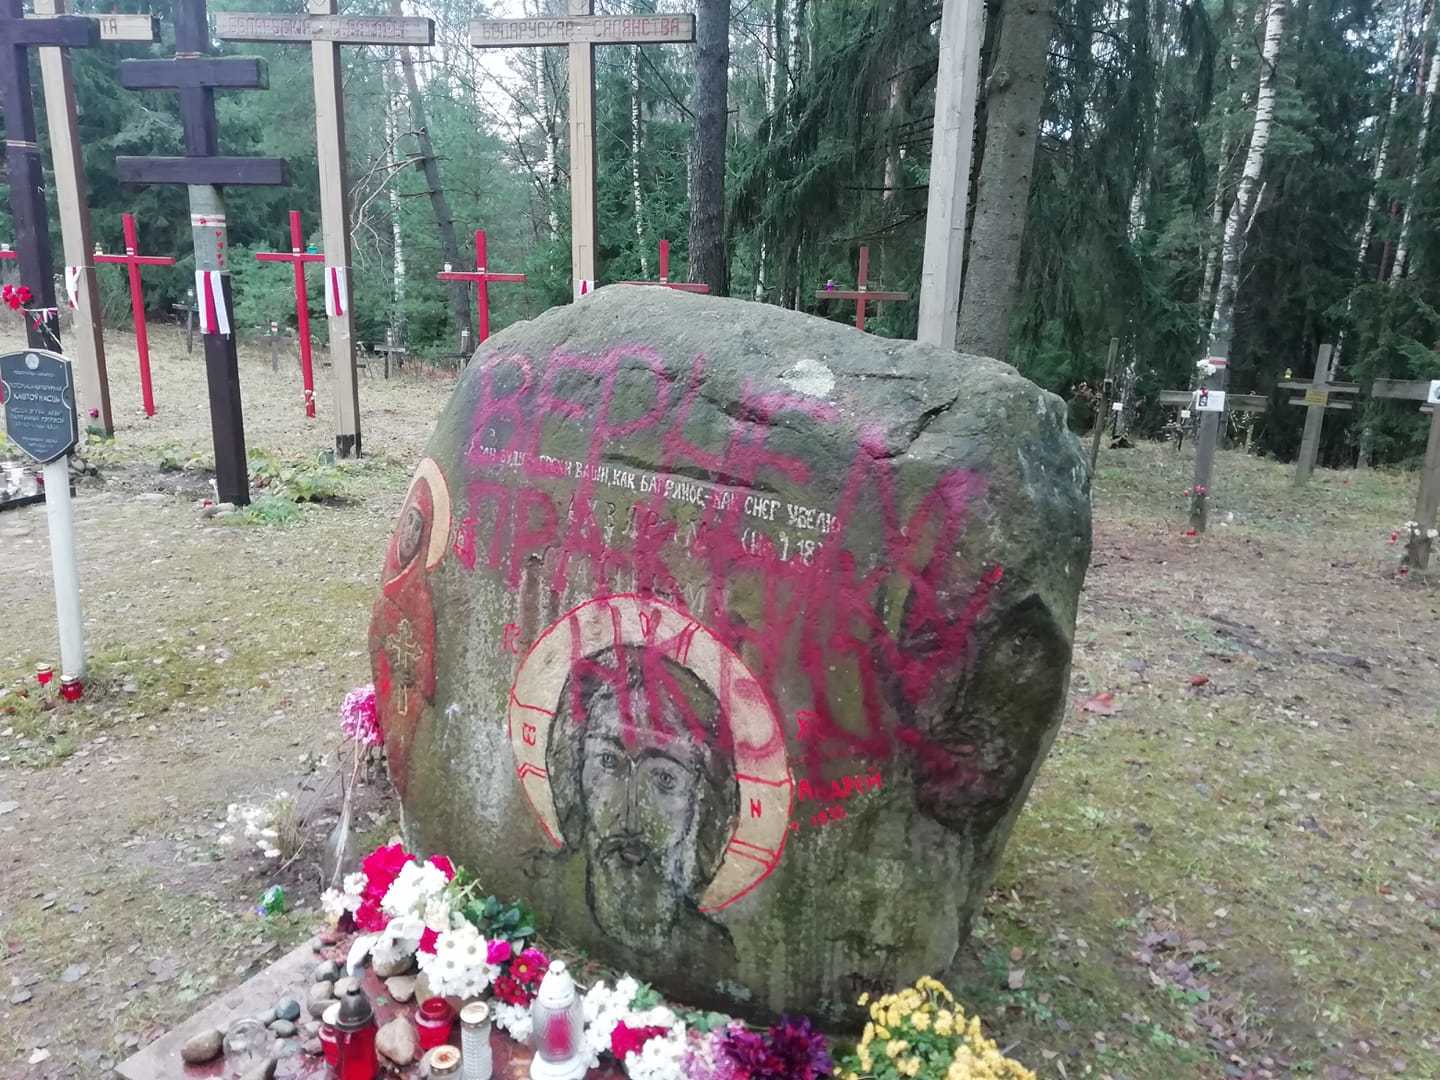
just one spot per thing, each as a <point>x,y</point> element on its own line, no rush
<point>62,563</point>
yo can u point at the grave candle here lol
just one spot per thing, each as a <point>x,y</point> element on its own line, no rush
<point>559,1019</point>
<point>44,674</point>
<point>71,687</point>
<point>478,1061</point>
<point>355,1038</point>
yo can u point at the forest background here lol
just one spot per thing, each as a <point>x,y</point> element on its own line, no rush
<point>1110,140</point>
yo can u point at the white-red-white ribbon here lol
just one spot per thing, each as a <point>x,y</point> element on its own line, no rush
<point>583,287</point>
<point>210,298</point>
<point>337,290</point>
<point>72,285</point>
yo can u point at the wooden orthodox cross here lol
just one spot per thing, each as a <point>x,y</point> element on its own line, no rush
<point>482,276</point>
<point>197,77</point>
<point>297,257</point>
<point>681,286</point>
<point>326,32</point>
<point>133,260</point>
<point>1319,395</point>
<point>1102,402</point>
<point>27,188</point>
<point>861,294</point>
<point>71,197</point>
<point>580,31</point>
<point>1427,503</point>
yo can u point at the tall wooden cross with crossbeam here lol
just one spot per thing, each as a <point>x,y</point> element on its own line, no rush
<point>197,76</point>
<point>326,31</point>
<point>27,180</point>
<point>1427,502</point>
<point>1320,393</point>
<point>580,31</point>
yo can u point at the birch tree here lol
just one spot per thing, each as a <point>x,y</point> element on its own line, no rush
<point>1432,78</point>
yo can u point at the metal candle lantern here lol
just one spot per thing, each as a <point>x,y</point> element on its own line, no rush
<point>355,1032</point>
<point>72,688</point>
<point>44,673</point>
<point>559,1018</point>
<point>478,1062</point>
<point>443,1061</point>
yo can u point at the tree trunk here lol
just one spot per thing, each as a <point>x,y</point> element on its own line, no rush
<point>710,105</point>
<point>1246,191</point>
<point>1014,94</point>
<point>394,110</point>
<point>1382,155</point>
<point>635,139</point>
<point>775,97</point>
<point>444,221</point>
<point>1209,273</point>
<point>1402,246</point>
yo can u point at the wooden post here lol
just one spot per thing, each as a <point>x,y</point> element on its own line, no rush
<point>133,260</point>
<point>196,75</point>
<point>1102,402</point>
<point>862,294</point>
<point>962,28</point>
<point>1427,502</point>
<point>580,32</point>
<point>87,348</point>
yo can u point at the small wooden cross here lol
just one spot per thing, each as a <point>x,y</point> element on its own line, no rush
<point>1319,396</point>
<point>391,348</point>
<point>275,338</point>
<point>481,276</point>
<point>325,31</point>
<point>191,312</point>
<point>197,76</point>
<point>133,261</point>
<point>682,286</point>
<point>297,257</point>
<point>22,157</point>
<point>1427,502</point>
<point>580,31</point>
<point>862,293</point>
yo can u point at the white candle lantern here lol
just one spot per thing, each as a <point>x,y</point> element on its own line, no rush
<point>559,1019</point>
<point>477,1062</point>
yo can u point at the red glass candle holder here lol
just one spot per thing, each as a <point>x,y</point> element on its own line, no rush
<point>44,674</point>
<point>355,1032</point>
<point>328,1039</point>
<point>434,1020</point>
<point>72,687</point>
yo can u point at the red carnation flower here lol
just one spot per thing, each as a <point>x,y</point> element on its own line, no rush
<point>529,967</point>
<point>509,990</point>
<point>444,865</point>
<point>427,941</point>
<point>369,917</point>
<point>627,1040</point>
<point>381,867</point>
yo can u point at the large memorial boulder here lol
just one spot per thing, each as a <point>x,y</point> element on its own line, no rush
<point>732,639</point>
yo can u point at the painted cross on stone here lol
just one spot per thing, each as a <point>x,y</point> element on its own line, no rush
<point>580,31</point>
<point>482,276</point>
<point>133,260</point>
<point>403,649</point>
<point>197,76</point>
<point>297,257</point>
<point>682,286</point>
<point>861,294</point>
<point>22,157</point>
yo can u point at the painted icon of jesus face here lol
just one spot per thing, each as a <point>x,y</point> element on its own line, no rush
<point>654,790</point>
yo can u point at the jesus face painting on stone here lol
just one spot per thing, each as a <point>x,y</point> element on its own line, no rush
<point>647,795</point>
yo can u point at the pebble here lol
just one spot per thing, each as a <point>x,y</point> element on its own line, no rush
<point>327,971</point>
<point>283,1028</point>
<point>264,1071</point>
<point>398,1041</point>
<point>344,986</point>
<point>287,1009</point>
<point>320,995</point>
<point>74,973</point>
<point>201,1048</point>
<point>20,997</point>
<point>313,1047</point>
<point>268,1017</point>
<point>396,965</point>
<point>401,988</point>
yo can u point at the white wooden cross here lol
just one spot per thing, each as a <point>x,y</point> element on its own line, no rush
<point>580,31</point>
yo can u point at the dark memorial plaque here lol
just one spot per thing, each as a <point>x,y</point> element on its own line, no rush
<point>38,389</point>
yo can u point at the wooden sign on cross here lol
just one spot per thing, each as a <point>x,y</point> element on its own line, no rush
<point>1320,394</point>
<point>197,76</point>
<point>482,275</point>
<point>580,31</point>
<point>325,31</point>
<point>862,294</point>
<point>297,257</point>
<point>133,260</point>
<point>52,35</point>
<point>681,286</point>
<point>1427,502</point>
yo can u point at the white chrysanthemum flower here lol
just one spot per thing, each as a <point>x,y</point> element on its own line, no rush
<point>437,914</point>
<point>333,902</point>
<point>459,965</point>
<point>660,1058</point>
<point>354,884</point>
<point>516,1020</point>
<point>400,938</point>
<point>413,888</point>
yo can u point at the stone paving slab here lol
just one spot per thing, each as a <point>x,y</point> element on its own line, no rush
<point>290,977</point>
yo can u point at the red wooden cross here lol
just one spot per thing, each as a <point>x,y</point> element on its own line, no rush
<point>297,257</point>
<point>482,278</point>
<point>133,261</point>
<point>861,294</point>
<point>682,286</point>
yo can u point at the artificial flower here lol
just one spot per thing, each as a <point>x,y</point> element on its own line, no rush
<point>626,1040</point>
<point>529,967</point>
<point>427,941</point>
<point>515,1020</point>
<point>510,991</point>
<point>359,718</point>
<point>458,967</point>
<point>444,865</point>
<point>499,951</point>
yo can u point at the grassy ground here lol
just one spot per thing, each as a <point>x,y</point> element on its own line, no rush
<point>1228,868</point>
